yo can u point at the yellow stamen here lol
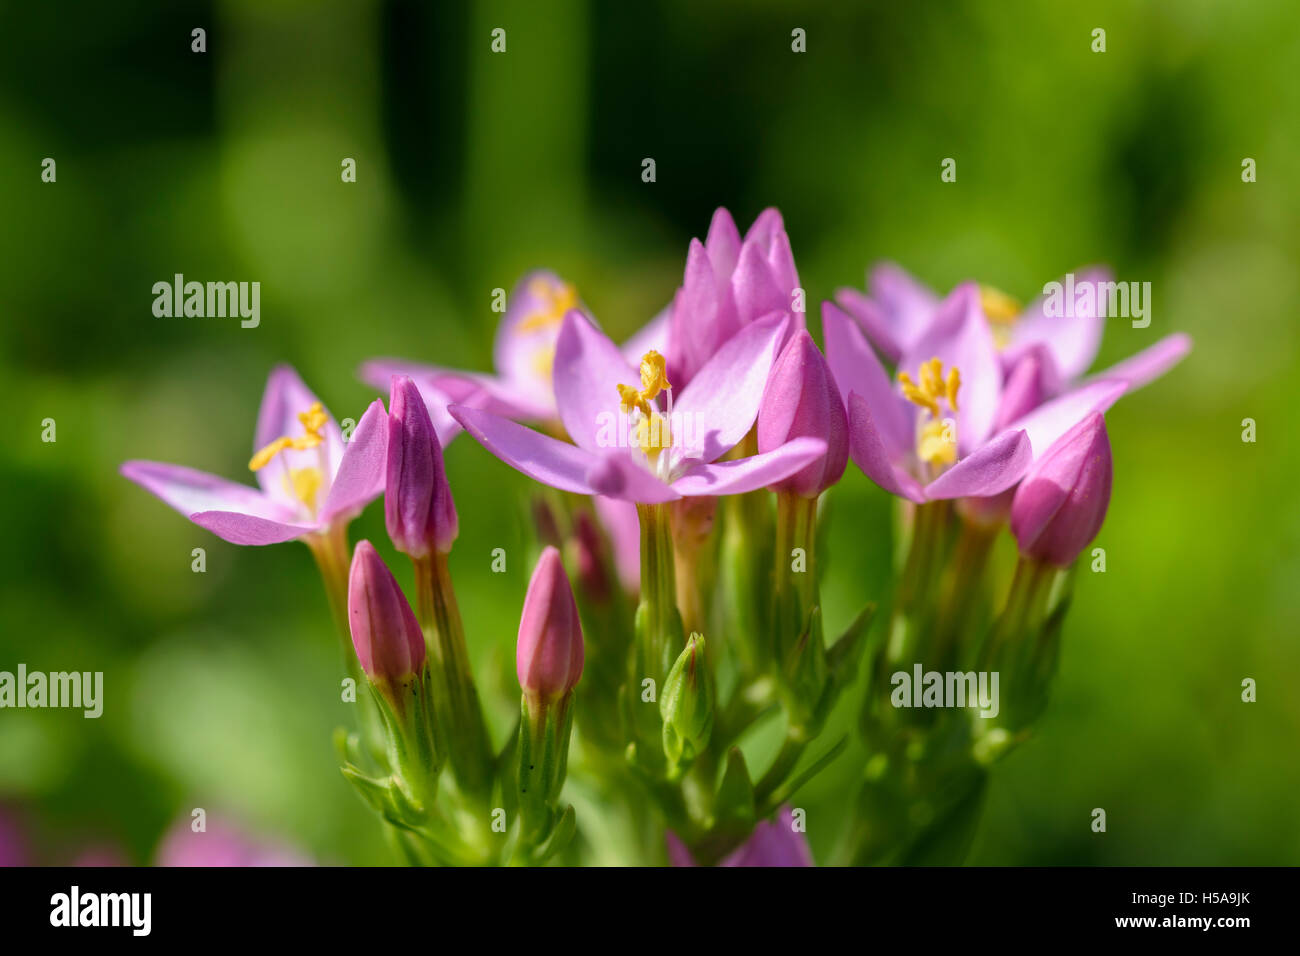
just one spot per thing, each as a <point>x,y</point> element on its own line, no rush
<point>304,484</point>
<point>313,420</point>
<point>653,435</point>
<point>936,441</point>
<point>555,300</point>
<point>654,379</point>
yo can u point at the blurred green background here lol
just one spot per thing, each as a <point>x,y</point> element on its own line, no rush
<point>221,688</point>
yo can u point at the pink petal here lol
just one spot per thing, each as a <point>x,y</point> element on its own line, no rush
<point>619,518</point>
<point>872,320</point>
<point>723,244</point>
<point>1049,422</point>
<point>249,529</point>
<point>757,288</point>
<point>523,348</point>
<point>588,370</point>
<point>285,398</point>
<point>908,305</point>
<point>538,456</point>
<point>1029,382</point>
<point>986,471</point>
<point>856,369</point>
<point>1149,364</point>
<point>617,475</point>
<point>1072,339</point>
<point>442,387</point>
<point>867,449</point>
<point>190,491</point>
<point>959,336</point>
<point>748,474</point>
<point>703,316</point>
<point>360,477</point>
<point>722,399</point>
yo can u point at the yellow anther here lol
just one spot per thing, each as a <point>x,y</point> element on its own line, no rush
<point>554,300</point>
<point>313,420</point>
<point>916,395</point>
<point>936,441</point>
<point>1000,308</point>
<point>629,398</point>
<point>933,387</point>
<point>654,379</point>
<point>654,374</point>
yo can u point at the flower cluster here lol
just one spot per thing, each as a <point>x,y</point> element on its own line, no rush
<point>680,478</point>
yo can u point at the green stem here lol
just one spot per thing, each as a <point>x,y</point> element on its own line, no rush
<point>961,591</point>
<point>456,703</point>
<point>662,632</point>
<point>659,635</point>
<point>333,559</point>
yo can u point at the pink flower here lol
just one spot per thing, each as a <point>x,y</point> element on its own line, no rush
<point>901,310</point>
<point>627,444</point>
<point>309,478</point>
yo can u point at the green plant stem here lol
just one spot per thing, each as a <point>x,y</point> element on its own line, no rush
<point>456,703</point>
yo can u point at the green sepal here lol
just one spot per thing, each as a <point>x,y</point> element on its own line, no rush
<point>544,730</point>
<point>734,806</point>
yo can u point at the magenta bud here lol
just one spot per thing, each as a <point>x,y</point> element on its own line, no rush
<point>1061,502</point>
<point>418,507</point>
<point>385,633</point>
<point>548,657</point>
<point>802,400</point>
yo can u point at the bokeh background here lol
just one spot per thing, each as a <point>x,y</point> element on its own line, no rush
<point>221,687</point>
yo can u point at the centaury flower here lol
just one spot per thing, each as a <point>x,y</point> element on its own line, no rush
<point>901,310</point>
<point>631,441</point>
<point>309,478</point>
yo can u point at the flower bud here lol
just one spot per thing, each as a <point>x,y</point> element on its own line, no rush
<point>385,633</point>
<point>548,657</point>
<point>418,507</point>
<point>801,399</point>
<point>687,704</point>
<point>1061,502</point>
